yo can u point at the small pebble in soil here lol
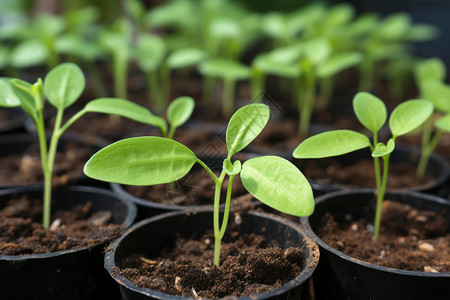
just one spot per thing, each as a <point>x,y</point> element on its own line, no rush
<point>355,227</point>
<point>426,247</point>
<point>430,269</point>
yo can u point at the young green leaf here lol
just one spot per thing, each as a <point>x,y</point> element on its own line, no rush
<point>7,96</point>
<point>223,68</point>
<point>382,150</point>
<point>23,91</point>
<point>185,57</point>
<point>64,84</point>
<point>443,123</point>
<point>430,69</point>
<point>230,168</point>
<point>245,125</point>
<point>279,184</point>
<point>180,110</point>
<point>126,109</point>
<point>337,63</point>
<point>438,93</point>
<point>146,160</point>
<point>150,52</point>
<point>409,115</point>
<point>331,143</point>
<point>370,111</point>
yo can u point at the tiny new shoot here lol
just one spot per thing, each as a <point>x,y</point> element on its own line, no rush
<point>371,113</point>
<point>62,86</point>
<point>156,160</point>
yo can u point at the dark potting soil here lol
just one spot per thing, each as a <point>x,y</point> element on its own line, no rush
<point>409,239</point>
<point>196,188</point>
<point>248,266</point>
<point>21,230</point>
<point>25,167</point>
<point>360,174</point>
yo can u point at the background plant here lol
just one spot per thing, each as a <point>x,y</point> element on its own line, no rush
<point>154,160</point>
<point>62,86</point>
<point>430,78</point>
<point>372,114</point>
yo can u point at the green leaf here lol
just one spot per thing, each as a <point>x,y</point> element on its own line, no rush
<point>430,69</point>
<point>438,93</point>
<point>370,111</point>
<point>279,184</point>
<point>338,62</point>
<point>394,27</point>
<point>145,160</point>
<point>29,53</point>
<point>7,96</point>
<point>382,150</point>
<point>230,168</point>
<point>409,115</point>
<point>245,125</point>
<point>150,52</point>
<point>317,50</point>
<point>185,57</point>
<point>64,84</point>
<point>125,109</point>
<point>331,143</point>
<point>269,65</point>
<point>224,68</point>
<point>443,123</point>
<point>180,110</point>
<point>23,91</point>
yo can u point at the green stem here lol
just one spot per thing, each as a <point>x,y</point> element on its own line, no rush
<point>426,153</point>
<point>208,89</point>
<point>367,74</point>
<point>216,218</point>
<point>120,74</point>
<point>376,163</point>
<point>165,86</point>
<point>257,85</point>
<point>154,91</point>
<point>306,105</point>
<point>48,169</point>
<point>228,97</point>
<point>380,197</point>
<point>326,90</point>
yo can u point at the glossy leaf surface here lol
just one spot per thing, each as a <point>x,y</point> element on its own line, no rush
<point>331,143</point>
<point>279,184</point>
<point>370,111</point>
<point>409,115</point>
<point>146,160</point>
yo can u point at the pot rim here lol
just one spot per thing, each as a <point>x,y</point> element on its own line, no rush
<point>306,273</point>
<point>304,221</point>
<point>131,214</point>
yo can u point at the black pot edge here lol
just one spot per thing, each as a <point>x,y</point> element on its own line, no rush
<point>309,231</point>
<point>122,281</point>
<point>132,211</point>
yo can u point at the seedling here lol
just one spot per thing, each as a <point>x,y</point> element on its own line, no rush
<point>230,72</point>
<point>155,160</point>
<point>430,76</point>
<point>62,86</point>
<point>371,112</point>
<point>153,59</point>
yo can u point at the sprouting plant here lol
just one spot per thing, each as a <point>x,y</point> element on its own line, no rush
<point>155,160</point>
<point>371,112</point>
<point>178,112</point>
<point>230,72</point>
<point>62,86</point>
<point>430,75</point>
<point>153,59</point>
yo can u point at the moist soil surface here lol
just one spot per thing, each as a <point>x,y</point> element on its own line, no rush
<point>21,230</point>
<point>23,166</point>
<point>409,239</point>
<point>248,266</point>
<point>196,188</point>
<point>360,174</point>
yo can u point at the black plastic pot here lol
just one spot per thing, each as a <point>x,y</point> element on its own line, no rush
<point>437,169</point>
<point>339,276</point>
<point>69,274</point>
<point>151,235</point>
